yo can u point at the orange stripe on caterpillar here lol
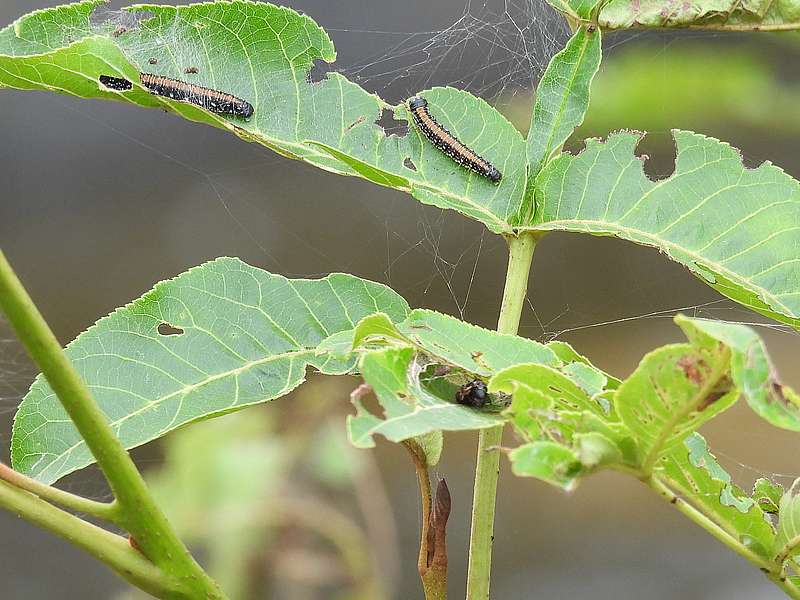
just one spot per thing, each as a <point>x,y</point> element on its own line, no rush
<point>182,91</point>
<point>440,137</point>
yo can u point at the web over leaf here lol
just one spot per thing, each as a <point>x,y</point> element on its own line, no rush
<point>264,54</point>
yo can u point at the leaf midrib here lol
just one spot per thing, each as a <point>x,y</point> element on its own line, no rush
<point>561,108</point>
<point>671,424</point>
<point>185,390</point>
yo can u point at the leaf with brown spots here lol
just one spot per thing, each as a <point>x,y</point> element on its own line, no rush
<point>674,390</point>
<point>751,370</point>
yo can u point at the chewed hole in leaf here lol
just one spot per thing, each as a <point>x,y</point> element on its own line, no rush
<point>409,164</point>
<point>319,71</point>
<point>166,329</point>
<point>390,125</point>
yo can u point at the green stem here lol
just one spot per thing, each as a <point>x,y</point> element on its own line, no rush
<point>113,550</point>
<point>773,570</point>
<point>108,511</point>
<point>138,512</point>
<point>488,461</point>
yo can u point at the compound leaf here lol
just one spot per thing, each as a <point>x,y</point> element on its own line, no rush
<point>787,542</point>
<point>735,15</point>
<point>751,369</point>
<point>695,474</point>
<point>410,409</point>
<point>550,407</point>
<point>735,228</point>
<point>396,362</point>
<point>215,339</point>
<point>264,55</point>
<point>673,391</point>
<point>562,97</point>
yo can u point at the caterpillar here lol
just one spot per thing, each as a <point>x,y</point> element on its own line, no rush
<point>448,143</point>
<point>116,83</point>
<point>212,100</point>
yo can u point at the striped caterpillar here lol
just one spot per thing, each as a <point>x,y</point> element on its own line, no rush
<point>450,144</point>
<point>211,100</point>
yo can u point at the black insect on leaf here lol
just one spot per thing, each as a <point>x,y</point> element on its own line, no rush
<point>473,394</point>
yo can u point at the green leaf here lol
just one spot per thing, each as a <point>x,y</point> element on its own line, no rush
<point>695,474</point>
<point>567,354</point>
<point>755,15</point>
<point>562,97</point>
<point>469,347</point>
<point>787,542</point>
<point>563,391</point>
<point>751,369</point>
<point>576,10</point>
<point>767,495</point>
<point>673,391</point>
<point>733,227</point>
<point>595,450</point>
<point>591,379</point>
<point>548,461</point>
<point>263,54</point>
<point>549,405</point>
<point>431,445</point>
<point>409,409</point>
<point>213,340</point>
<point>396,354</point>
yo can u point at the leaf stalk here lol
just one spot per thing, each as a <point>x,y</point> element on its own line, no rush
<point>113,550</point>
<point>774,571</point>
<point>107,511</point>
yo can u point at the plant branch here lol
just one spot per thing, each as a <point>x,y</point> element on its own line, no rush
<point>487,468</point>
<point>423,478</point>
<point>432,559</point>
<point>434,579</point>
<point>108,511</point>
<point>773,570</point>
<point>788,548</point>
<point>111,549</point>
<point>138,512</point>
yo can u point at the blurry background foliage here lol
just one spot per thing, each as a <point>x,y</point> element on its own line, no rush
<point>279,504</point>
<point>97,207</point>
<point>746,87</point>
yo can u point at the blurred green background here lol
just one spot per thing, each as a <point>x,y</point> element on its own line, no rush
<point>101,200</point>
